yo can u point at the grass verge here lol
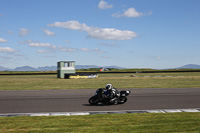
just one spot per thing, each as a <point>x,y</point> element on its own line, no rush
<point>34,82</point>
<point>147,122</point>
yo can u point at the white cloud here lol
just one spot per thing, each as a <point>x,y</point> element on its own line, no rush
<point>25,42</point>
<point>96,50</point>
<point>48,32</point>
<point>109,44</point>
<point>155,57</point>
<point>66,49</point>
<point>44,51</point>
<point>111,34</point>
<point>104,5</point>
<point>6,58</point>
<point>158,57</point>
<point>105,57</point>
<point>39,44</point>
<point>23,32</point>
<point>95,32</point>
<point>10,32</point>
<point>71,25</point>
<point>131,13</point>
<point>68,41</point>
<point>2,40</point>
<point>7,49</point>
<point>86,49</point>
<point>51,48</point>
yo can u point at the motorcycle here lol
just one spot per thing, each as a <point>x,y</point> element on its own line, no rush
<point>101,96</point>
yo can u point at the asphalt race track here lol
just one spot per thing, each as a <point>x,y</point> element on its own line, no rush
<point>75,100</point>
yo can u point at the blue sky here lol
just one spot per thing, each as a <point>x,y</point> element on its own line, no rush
<point>128,33</point>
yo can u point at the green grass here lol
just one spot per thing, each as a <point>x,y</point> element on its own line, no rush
<point>169,122</point>
<point>31,82</point>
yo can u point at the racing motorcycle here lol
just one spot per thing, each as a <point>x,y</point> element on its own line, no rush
<point>101,96</point>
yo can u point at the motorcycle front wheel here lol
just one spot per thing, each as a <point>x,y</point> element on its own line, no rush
<point>93,100</point>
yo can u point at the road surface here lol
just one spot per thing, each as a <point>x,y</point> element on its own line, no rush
<point>76,100</point>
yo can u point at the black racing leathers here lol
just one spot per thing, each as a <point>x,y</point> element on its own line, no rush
<point>113,94</point>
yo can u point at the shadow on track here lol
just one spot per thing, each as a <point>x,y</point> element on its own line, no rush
<point>98,105</point>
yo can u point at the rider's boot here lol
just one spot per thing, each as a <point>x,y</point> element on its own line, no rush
<point>114,101</point>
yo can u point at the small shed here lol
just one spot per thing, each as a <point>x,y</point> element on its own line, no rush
<point>67,70</point>
<point>64,67</point>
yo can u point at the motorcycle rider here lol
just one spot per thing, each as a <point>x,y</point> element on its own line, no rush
<point>112,93</point>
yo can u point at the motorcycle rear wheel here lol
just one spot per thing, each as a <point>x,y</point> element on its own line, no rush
<point>93,100</point>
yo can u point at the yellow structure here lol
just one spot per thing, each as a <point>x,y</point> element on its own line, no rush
<point>82,77</point>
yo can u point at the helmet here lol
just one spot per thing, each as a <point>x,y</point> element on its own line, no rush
<point>108,87</point>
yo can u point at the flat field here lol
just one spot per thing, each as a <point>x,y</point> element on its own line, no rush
<point>146,122</point>
<point>142,80</point>
<point>137,123</point>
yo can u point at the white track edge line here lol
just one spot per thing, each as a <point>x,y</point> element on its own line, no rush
<point>101,112</point>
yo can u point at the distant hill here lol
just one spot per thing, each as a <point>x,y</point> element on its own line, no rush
<point>24,68</point>
<point>28,68</point>
<point>4,69</point>
<point>54,68</point>
<point>190,66</point>
<point>86,66</point>
<point>94,66</point>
